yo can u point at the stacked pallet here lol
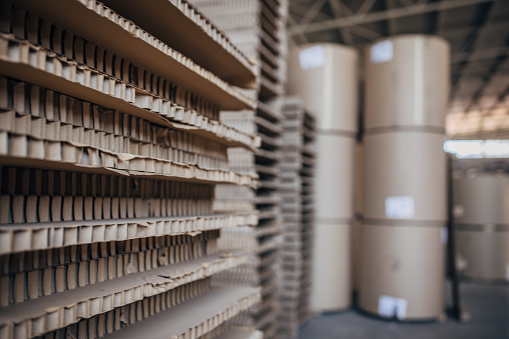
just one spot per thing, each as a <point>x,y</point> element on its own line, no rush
<point>110,151</point>
<point>297,173</point>
<point>257,28</point>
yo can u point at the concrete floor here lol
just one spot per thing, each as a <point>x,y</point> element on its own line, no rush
<point>488,306</point>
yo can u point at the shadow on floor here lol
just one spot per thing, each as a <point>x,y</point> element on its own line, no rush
<point>487,304</point>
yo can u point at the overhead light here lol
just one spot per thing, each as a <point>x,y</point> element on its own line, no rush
<point>478,148</point>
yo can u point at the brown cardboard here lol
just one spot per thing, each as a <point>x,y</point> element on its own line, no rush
<point>216,306</point>
<point>135,165</point>
<point>53,308</point>
<point>210,49</point>
<point>208,128</point>
<point>90,139</point>
<point>128,40</point>
<point>138,310</point>
<point>404,262</point>
<point>17,237</point>
<point>227,331</point>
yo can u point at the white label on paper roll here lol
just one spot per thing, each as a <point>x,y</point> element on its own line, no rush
<point>391,306</point>
<point>444,235</point>
<point>399,207</point>
<point>312,57</point>
<point>381,52</point>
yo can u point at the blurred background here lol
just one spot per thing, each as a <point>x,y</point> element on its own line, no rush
<point>249,169</point>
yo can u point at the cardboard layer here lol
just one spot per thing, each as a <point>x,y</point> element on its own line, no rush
<point>268,126</point>
<point>247,276</point>
<point>264,110</point>
<point>27,151</point>
<point>410,86</point>
<point>248,24</point>
<point>35,236</point>
<point>268,89</point>
<point>74,267</point>
<point>266,304</point>
<point>483,254</point>
<point>119,318</point>
<point>73,47</point>
<point>296,165</point>
<point>127,40</point>
<point>258,28</point>
<point>59,310</point>
<point>139,139</point>
<point>195,317</point>
<point>247,237</point>
<point>230,332</point>
<point>47,70</point>
<point>144,253</point>
<point>402,271</point>
<point>266,321</point>
<point>210,49</point>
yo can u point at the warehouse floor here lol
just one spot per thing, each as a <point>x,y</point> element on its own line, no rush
<point>488,306</point>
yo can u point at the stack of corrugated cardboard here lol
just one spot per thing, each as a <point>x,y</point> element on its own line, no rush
<point>258,28</point>
<point>297,178</point>
<point>110,150</point>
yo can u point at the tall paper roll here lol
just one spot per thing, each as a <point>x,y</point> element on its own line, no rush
<point>407,85</point>
<point>325,77</point>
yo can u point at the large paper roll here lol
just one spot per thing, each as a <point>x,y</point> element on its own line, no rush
<point>407,82</point>
<point>331,289</point>
<point>405,176</point>
<point>402,273</point>
<point>325,76</point>
<point>405,203</point>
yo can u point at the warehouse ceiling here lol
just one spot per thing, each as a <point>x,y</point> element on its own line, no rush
<point>478,31</point>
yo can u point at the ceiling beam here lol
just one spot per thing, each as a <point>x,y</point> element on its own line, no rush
<point>439,18</point>
<point>365,33</point>
<point>301,11</point>
<point>394,13</point>
<point>391,23</point>
<point>406,2</point>
<point>365,7</point>
<point>293,38</point>
<point>497,68</point>
<point>495,26</point>
<point>472,46</point>
<point>484,54</point>
<point>337,11</point>
<point>311,13</point>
